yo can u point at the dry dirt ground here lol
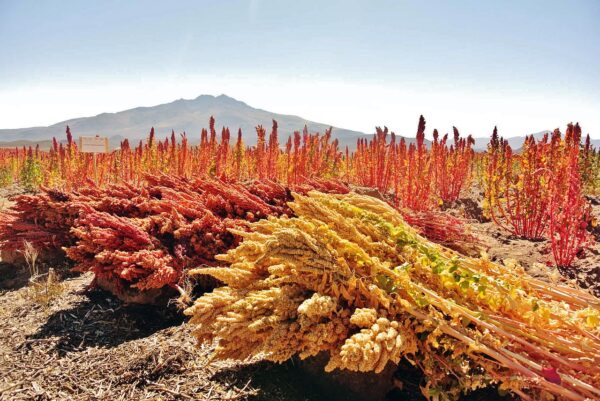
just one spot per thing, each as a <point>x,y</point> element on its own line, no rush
<point>87,345</point>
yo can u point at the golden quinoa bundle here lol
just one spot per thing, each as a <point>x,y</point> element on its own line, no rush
<point>349,277</point>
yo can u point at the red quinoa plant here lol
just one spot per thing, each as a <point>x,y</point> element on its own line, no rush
<point>539,193</point>
<point>451,165</point>
<point>569,210</point>
<point>516,186</point>
<point>589,164</point>
<point>415,174</point>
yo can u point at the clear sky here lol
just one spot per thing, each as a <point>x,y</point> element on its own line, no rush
<point>523,65</point>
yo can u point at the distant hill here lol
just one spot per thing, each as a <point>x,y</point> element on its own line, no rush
<point>515,142</point>
<point>191,115</point>
<point>44,144</point>
<point>181,115</point>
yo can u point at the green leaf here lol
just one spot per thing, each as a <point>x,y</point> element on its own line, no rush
<point>385,283</point>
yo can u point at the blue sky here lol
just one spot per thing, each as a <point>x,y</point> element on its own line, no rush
<point>522,65</point>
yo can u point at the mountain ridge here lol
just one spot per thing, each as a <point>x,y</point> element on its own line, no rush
<point>181,115</point>
<point>515,142</point>
<point>190,116</point>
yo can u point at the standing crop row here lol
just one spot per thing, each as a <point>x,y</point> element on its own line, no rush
<point>420,176</point>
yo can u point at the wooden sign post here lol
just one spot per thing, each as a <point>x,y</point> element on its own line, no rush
<point>93,144</point>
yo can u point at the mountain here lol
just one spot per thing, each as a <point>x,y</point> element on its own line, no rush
<point>191,115</point>
<point>515,142</point>
<point>43,144</point>
<point>181,115</point>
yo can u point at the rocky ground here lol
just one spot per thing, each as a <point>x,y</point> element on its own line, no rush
<point>86,345</point>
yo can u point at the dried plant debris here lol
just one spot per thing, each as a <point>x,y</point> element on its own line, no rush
<point>92,347</point>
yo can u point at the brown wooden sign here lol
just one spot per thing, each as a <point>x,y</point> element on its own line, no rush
<point>93,144</point>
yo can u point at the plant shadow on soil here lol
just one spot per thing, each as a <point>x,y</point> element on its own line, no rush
<point>294,381</point>
<point>273,382</point>
<point>587,276</point>
<point>101,320</point>
<point>14,276</point>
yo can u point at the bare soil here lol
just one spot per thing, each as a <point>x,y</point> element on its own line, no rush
<point>89,346</point>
